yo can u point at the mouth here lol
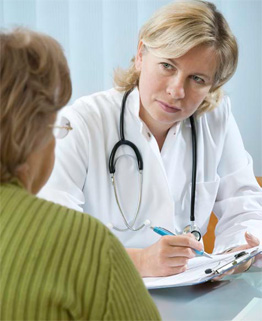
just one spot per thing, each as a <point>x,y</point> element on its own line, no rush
<point>168,108</point>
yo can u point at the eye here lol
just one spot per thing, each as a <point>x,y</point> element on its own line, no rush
<point>166,66</point>
<point>198,80</point>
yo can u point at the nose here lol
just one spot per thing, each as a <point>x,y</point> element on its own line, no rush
<point>176,87</point>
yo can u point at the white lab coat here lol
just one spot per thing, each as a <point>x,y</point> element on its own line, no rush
<point>225,179</point>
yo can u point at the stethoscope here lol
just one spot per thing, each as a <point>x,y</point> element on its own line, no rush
<point>192,227</point>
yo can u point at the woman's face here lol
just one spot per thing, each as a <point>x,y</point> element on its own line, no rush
<point>172,89</point>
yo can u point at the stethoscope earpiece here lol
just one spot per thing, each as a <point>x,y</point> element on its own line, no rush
<point>147,223</point>
<point>109,226</point>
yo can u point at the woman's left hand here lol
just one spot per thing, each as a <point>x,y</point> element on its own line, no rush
<point>252,241</point>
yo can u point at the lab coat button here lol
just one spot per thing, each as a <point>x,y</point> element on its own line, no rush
<point>148,134</point>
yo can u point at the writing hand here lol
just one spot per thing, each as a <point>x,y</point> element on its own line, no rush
<point>168,256</point>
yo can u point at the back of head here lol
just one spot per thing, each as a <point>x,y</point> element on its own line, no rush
<point>180,26</point>
<point>34,84</point>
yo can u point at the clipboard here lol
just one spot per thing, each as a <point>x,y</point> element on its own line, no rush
<point>202,269</point>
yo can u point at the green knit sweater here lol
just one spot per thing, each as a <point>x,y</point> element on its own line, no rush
<point>59,264</point>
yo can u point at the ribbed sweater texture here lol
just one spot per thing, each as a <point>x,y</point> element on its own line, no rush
<point>59,264</point>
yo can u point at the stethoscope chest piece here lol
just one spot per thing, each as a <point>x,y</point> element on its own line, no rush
<point>193,229</point>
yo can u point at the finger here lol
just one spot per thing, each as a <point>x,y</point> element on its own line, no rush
<point>167,271</point>
<point>251,239</point>
<point>178,251</point>
<point>221,276</point>
<point>243,267</point>
<point>177,262</point>
<point>184,241</point>
<point>238,269</point>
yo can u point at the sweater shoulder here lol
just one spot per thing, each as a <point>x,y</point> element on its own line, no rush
<point>127,288</point>
<point>60,255</point>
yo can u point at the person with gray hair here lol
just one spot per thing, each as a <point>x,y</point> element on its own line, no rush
<point>162,148</point>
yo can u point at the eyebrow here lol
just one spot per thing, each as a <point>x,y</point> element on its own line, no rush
<point>197,73</point>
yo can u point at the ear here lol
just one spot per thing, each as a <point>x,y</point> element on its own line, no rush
<point>23,169</point>
<point>139,56</point>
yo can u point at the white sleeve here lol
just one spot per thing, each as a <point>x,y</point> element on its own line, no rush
<point>65,185</point>
<point>238,205</point>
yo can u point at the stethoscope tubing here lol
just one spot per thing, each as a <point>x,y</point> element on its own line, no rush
<point>131,225</point>
<point>123,141</point>
<point>194,168</point>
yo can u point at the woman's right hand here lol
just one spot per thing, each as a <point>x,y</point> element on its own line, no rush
<point>168,256</point>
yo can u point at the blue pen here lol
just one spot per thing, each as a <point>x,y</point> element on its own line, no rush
<point>162,231</point>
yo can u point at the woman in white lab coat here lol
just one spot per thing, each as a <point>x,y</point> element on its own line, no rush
<point>186,52</point>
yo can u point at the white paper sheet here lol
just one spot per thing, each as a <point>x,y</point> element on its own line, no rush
<point>196,271</point>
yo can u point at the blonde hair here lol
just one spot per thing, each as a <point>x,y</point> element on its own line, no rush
<point>178,27</point>
<point>34,84</point>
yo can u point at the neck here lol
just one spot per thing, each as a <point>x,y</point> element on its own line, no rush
<point>159,131</point>
<point>24,177</point>
<point>160,137</point>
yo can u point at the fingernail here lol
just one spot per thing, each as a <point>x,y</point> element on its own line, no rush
<point>249,234</point>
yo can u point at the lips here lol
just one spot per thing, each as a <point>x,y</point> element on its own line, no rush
<point>168,108</point>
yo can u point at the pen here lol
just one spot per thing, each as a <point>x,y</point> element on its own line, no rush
<point>162,231</point>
